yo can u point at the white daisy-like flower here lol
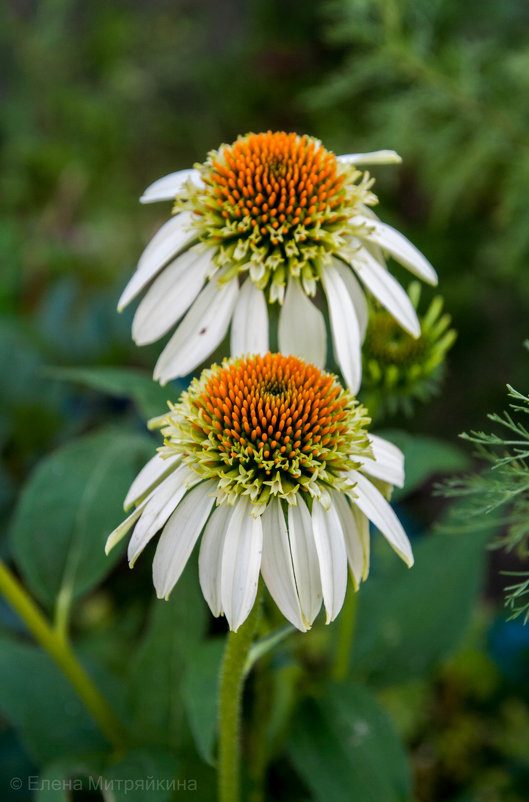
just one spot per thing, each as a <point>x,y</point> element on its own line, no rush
<point>272,218</point>
<point>268,458</point>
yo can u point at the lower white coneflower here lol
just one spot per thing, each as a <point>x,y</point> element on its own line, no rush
<point>269,458</point>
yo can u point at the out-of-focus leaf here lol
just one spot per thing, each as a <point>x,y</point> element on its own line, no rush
<point>141,774</point>
<point>345,748</point>
<point>150,398</point>
<point>200,688</point>
<point>71,503</point>
<point>410,618</point>
<point>128,779</point>
<point>42,706</point>
<point>424,458</point>
<point>158,667</point>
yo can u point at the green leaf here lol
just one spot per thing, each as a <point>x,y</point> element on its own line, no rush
<point>424,458</point>
<point>141,774</point>
<point>158,667</point>
<point>41,704</point>
<point>128,778</point>
<point>344,746</point>
<point>150,398</point>
<point>200,689</point>
<point>72,501</point>
<point>410,618</point>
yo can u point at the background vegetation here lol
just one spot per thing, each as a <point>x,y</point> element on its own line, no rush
<point>98,100</point>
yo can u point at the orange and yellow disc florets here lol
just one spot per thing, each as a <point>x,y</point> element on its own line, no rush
<point>275,204</point>
<point>271,425</point>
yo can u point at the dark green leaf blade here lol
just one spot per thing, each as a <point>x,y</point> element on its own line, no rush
<point>42,706</point>
<point>71,503</point>
<point>200,689</point>
<point>150,398</point>
<point>410,618</point>
<point>345,748</point>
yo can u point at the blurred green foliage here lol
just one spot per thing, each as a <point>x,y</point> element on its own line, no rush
<point>98,100</point>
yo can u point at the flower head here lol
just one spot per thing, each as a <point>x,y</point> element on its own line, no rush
<point>270,458</point>
<point>272,218</point>
<point>399,369</point>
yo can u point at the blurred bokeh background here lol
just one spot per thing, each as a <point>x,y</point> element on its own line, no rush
<point>99,99</point>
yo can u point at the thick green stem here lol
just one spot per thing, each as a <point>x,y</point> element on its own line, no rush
<point>344,645</point>
<point>60,651</point>
<point>231,686</point>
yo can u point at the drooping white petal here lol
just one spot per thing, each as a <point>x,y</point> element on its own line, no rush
<point>200,332</point>
<point>332,557</point>
<point>301,330</point>
<point>210,556</point>
<point>179,536</point>
<point>362,527</point>
<point>249,327</point>
<point>386,290</point>
<point>356,293</point>
<point>166,188</point>
<point>304,560</point>
<point>344,325</point>
<point>172,237</point>
<point>373,157</point>
<point>373,504</point>
<point>162,504</point>
<point>400,248</point>
<point>276,565</point>
<point>241,562</point>
<point>170,295</point>
<point>150,475</point>
<point>388,462</point>
<point>353,543</point>
<point>121,530</point>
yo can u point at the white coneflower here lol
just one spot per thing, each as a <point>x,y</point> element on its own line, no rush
<point>266,220</point>
<point>269,458</point>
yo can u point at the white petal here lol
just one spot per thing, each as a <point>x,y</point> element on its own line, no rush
<point>387,290</point>
<point>170,295</point>
<point>388,462</point>
<point>200,332</point>
<point>172,237</point>
<point>301,326</point>
<point>304,559</point>
<point>210,557</point>
<point>353,541</point>
<point>162,504</point>
<point>400,248</point>
<point>249,327</point>
<point>166,188</point>
<point>373,157</point>
<point>121,530</point>
<point>179,536</point>
<point>344,325</point>
<point>241,561</point>
<point>373,504</point>
<point>276,565</point>
<point>332,557</point>
<point>362,527</point>
<point>356,293</point>
<point>150,475</point>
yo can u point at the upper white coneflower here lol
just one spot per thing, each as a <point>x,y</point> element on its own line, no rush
<point>271,459</point>
<point>270,218</point>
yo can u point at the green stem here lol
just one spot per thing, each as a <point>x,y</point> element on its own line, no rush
<point>60,651</point>
<point>344,645</point>
<point>230,703</point>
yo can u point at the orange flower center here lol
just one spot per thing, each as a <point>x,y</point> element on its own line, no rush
<point>279,181</point>
<point>275,407</point>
